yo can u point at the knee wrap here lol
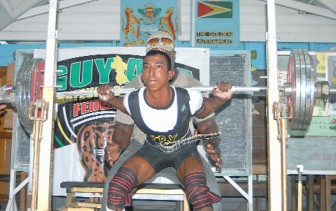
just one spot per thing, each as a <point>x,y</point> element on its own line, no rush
<point>198,192</point>
<point>120,188</point>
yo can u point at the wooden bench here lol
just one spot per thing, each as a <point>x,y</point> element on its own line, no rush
<point>147,191</point>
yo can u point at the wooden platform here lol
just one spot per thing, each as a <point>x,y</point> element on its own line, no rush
<point>150,191</point>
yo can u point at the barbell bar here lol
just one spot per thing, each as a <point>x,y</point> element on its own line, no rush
<point>122,91</point>
<point>325,90</point>
<point>10,98</point>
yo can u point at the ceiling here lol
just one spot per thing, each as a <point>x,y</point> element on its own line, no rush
<point>11,10</point>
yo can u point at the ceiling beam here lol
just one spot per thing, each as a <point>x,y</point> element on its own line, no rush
<point>330,4</point>
<point>45,8</point>
<point>16,8</point>
<point>10,10</point>
<point>316,10</point>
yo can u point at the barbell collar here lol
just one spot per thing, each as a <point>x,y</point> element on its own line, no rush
<point>8,99</point>
<point>332,90</point>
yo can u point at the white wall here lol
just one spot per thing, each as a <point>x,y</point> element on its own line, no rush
<point>100,21</point>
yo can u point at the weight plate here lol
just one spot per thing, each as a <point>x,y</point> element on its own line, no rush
<point>28,88</point>
<point>301,101</point>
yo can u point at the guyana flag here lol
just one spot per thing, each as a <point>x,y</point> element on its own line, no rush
<point>214,9</point>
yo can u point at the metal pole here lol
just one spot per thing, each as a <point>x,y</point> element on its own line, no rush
<point>36,150</point>
<point>49,96</point>
<point>283,140</point>
<point>250,192</point>
<point>299,204</point>
<point>193,24</point>
<point>274,148</point>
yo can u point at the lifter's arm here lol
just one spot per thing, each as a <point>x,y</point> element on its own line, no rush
<point>106,94</point>
<point>208,126</point>
<point>222,93</point>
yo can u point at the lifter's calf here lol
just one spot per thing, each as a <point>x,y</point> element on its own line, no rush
<point>120,189</point>
<point>198,193</point>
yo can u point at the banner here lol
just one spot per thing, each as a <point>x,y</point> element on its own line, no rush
<point>140,19</point>
<point>83,124</point>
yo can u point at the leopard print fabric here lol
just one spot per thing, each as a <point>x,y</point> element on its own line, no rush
<point>91,141</point>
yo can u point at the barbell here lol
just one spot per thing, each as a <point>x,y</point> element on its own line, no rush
<point>300,90</point>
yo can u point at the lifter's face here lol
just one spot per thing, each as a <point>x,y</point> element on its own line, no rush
<point>155,74</point>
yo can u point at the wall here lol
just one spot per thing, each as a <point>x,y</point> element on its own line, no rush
<point>99,21</point>
<point>258,58</point>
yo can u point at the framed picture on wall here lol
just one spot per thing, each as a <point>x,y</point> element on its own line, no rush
<point>140,19</point>
<point>217,24</point>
